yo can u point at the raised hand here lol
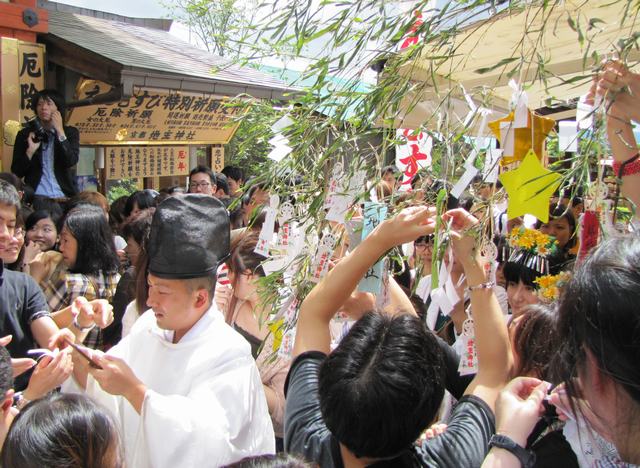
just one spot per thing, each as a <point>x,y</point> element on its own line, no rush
<point>406,226</point>
<point>463,240</point>
<point>98,311</point>
<point>519,407</point>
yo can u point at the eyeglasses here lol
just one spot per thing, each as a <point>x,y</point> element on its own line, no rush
<point>203,185</point>
<point>18,232</point>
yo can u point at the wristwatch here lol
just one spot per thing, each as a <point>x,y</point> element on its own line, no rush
<point>62,138</point>
<point>527,457</point>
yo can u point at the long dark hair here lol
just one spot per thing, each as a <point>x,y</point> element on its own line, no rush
<point>96,248</point>
<point>62,430</point>
<point>139,229</point>
<point>243,258</point>
<point>598,311</point>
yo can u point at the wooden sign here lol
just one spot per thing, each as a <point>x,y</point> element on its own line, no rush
<point>217,158</point>
<point>21,77</point>
<point>153,117</point>
<point>128,162</point>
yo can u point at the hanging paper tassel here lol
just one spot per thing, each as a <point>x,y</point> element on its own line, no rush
<point>589,234</point>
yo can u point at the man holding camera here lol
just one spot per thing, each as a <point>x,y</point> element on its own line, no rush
<point>46,150</point>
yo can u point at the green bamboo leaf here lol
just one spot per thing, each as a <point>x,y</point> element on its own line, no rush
<point>501,63</point>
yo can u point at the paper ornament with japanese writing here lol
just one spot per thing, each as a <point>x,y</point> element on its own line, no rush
<point>285,214</point>
<point>521,140</point>
<point>374,214</point>
<point>335,184</point>
<point>413,153</point>
<point>320,264</point>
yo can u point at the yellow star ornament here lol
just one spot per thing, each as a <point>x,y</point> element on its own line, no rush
<point>537,127</point>
<point>530,187</point>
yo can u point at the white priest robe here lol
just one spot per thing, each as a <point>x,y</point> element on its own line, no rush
<point>205,405</point>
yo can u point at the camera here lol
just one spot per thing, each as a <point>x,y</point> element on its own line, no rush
<point>39,133</point>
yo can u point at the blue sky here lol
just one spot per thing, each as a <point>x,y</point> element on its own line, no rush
<point>136,8</point>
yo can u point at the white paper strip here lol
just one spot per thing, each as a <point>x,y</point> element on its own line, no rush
<point>492,165</point>
<point>520,103</point>
<point>507,138</point>
<point>266,233</point>
<point>279,152</point>
<point>584,113</point>
<point>424,288</point>
<point>279,140</point>
<point>281,124</point>
<point>439,297</point>
<point>568,136</point>
<point>464,181</point>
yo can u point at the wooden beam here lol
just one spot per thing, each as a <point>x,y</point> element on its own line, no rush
<point>27,3</point>
<point>82,61</point>
<point>11,18</point>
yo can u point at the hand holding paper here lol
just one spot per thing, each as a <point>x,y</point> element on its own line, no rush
<point>406,226</point>
<point>463,243</point>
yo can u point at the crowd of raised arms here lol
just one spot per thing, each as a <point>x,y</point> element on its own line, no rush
<point>135,334</point>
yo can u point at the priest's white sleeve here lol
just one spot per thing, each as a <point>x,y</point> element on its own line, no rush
<point>223,419</point>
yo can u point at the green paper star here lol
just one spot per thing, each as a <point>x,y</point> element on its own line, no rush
<point>530,187</point>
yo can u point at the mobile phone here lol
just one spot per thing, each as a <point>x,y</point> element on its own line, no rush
<point>84,354</point>
<point>39,353</point>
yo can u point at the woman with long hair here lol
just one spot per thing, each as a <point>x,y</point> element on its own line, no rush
<point>598,325</point>
<point>89,254</point>
<point>131,298</point>
<point>249,316</point>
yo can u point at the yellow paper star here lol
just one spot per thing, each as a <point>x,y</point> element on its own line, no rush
<point>530,187</point>
<point>522,143</point>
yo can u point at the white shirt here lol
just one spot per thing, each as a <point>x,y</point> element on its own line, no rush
<point>205,405</point>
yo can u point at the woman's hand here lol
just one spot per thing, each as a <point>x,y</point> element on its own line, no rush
<point>223,296</point>
<point>406,226</point>
<point>463,242</point>
<point>620,87</point>
<point>49,374</point>
<point>31,250</point>
<point>98,311</point>
<point>519,407</point>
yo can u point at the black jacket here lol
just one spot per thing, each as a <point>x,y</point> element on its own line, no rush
<point>65,156</point>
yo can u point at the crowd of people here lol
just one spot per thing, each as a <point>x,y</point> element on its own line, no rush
<point>137,333</point>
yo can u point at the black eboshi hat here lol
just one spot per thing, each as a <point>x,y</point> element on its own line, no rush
<point>189,237</point>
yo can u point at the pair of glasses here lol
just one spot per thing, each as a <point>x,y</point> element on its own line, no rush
<point>201,185</point>
<point>19,232</point>
<point>423,244</point>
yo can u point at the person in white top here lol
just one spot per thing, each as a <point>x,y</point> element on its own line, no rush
<point>183,385</point>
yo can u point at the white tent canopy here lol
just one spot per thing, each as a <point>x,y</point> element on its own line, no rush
<point>528,37</point>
